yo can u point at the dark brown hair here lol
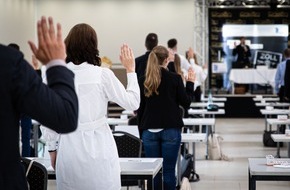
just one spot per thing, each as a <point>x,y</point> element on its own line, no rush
<point>82,45</point>
<point>151,41</point>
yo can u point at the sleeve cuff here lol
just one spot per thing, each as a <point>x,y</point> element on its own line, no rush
<point>52,145</point>
<point>55,62</point>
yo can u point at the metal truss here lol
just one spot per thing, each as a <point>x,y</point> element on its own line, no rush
<point>249,3</point>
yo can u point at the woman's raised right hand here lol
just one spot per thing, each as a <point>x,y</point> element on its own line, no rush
<point>127,58</point>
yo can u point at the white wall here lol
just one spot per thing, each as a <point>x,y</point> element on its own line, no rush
<point>129,21</point>
<point>17,23</point>
<point>115,21</point>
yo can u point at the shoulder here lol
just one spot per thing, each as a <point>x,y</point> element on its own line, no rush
<point>142,57</point>
<point>168,75</point>
<point>8,54</point>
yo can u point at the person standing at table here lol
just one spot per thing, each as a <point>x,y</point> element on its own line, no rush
<point>280,74</point>
<point>22,91</point>
<point>159,115</point>
<point>88,158</point>
<point>243,53</point>
<point>25,123</point>
<point>287,82</point>
<point>200,73</point>
<point>184,64</point>
<point>151,41</point>
<point>25,120</point>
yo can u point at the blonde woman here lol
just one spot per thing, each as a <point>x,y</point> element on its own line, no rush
<point>159,115</point>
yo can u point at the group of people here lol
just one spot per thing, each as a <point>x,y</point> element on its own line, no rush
<point>72,105</point>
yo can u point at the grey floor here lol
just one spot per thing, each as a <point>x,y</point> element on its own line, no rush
<point>242,138</point>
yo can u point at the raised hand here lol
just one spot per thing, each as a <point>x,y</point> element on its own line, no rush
<point>50,43</point>
<point>191,75</point>
<point>127,58</point>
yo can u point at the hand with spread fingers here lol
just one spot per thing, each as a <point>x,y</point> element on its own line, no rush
<point>127,58</point>
<point>50,43</point>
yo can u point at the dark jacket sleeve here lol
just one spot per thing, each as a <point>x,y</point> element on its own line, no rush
<point>185,97</point>
<point>141,108</point>
<point>54,105</point>
<point>287,82</point>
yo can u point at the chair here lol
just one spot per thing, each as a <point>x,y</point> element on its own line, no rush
<point>128,146</point>
<point>37,175</point>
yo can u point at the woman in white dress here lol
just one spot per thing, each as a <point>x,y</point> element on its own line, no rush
<point>87,159</point>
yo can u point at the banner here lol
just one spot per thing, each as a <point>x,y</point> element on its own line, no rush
<point>267,58</point>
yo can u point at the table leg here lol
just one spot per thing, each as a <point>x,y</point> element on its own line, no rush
<point>288,149</point>
<point>150,184</point>
<point>35,139</point>
<point>213,130</point>
<point>206,129</point>
<point>178,167</point>
<point>265,122</point>
<point>278,143</point>
<point>252,182</point>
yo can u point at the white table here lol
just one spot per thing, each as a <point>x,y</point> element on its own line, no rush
<point>186,121</point>
<point>117,121</point>
<point>204,112</point>
<point>191,139</point>
<point>259,171</point>
<point>131,129</point>
<point>252,76</point>
<point>273,104</point>
<point>273,112</point>
<point>141,168</point>
<point>281,138</point>
<point>269,99</point>
<point>214,99</point>
<point>128,112</point>
<point>131,168</point>
<point>208,122</point>
<point>204,104</point>
<point>278,122</point>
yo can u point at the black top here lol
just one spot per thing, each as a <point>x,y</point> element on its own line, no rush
<point>54,105</point>
<point>243,56</point>
<point>287,82</point>
<point>162,111</point>
<point>141,64</point>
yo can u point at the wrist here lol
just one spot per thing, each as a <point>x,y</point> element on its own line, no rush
<point>130,70</point>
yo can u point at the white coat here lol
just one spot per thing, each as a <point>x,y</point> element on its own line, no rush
<point>87,159</point>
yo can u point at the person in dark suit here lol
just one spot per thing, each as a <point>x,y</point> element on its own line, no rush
<point>287,82</point>
<point>243,51</point>
<point>151,41</point>
<point>22,91</point>
<point>159,115</point>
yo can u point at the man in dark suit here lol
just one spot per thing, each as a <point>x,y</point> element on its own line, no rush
<point>141,62</point>
<point>54,105</point>
<point>287,82</point>
<point>243,51</point>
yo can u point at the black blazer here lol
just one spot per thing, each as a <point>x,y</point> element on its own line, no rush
<point>162,111</point>
<point>287,82</point>
<point>141,64</point>
<point>243,56</point>
<point>54,105</point>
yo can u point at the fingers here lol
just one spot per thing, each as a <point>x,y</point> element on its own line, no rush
<point>40,33</point>
<point>51,31</point>
<point>59,33</point>
<point>45,29</point>
<point>32,47</point>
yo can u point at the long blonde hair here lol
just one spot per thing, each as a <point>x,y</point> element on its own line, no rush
<point>153,70</point>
